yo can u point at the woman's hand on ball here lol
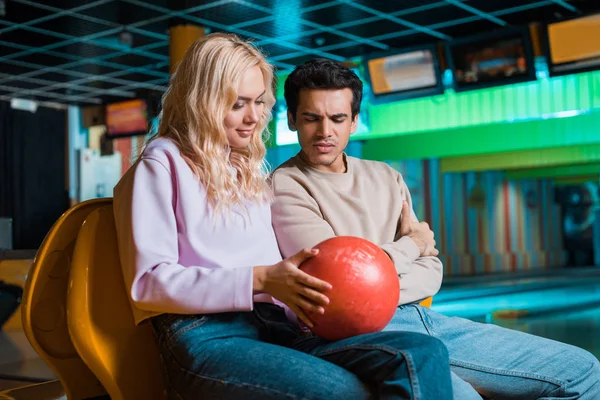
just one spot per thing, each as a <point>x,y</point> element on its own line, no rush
<point>287,283</point>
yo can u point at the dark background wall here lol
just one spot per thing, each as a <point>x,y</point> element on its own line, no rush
<point>32,171</point>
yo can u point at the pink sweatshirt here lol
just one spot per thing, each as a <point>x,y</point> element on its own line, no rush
<point>176,256</point>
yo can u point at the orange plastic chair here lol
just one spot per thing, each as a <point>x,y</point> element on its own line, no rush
<point>51,390</point>
<point>125,357</point>
<point>44,304</point>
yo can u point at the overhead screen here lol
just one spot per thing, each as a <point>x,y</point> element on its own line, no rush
<point>412,73</point>
<point>127,118</point>
<point>499,58</point>
<point>403,72</point>
<point>574,45</point>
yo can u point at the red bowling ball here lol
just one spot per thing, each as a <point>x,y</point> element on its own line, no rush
<point>365,292</point>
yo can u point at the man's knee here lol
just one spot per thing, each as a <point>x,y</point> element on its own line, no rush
<point>587,361</point>
<point>586,376</point>
<point>592,372</point>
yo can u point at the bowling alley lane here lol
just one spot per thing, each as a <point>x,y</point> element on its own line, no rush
<point>564,305</point>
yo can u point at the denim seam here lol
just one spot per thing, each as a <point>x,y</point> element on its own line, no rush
<point>592,366</point>
<point>591,387</point>
<point>428,326</point>
<point>563,388</point>
<point>386,349</point>
<point>179,395</point>
<point>169,339</point>
<point>239,384</point>
<point>496,371</point>
<point>412,375</point>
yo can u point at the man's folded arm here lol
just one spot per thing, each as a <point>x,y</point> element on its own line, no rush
<point>298,223</point>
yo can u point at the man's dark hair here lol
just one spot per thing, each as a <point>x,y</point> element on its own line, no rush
<point>321,74</point>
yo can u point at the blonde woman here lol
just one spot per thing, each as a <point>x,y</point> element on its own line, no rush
<point>201,262</point>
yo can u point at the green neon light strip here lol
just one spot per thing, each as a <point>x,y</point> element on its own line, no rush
<point>532,100</point>
<point>488,139</point>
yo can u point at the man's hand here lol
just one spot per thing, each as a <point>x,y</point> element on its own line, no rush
<point>419,232</point>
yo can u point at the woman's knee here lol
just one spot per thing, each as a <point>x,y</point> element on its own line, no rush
<point>417,343</point>
<point>438,348</point>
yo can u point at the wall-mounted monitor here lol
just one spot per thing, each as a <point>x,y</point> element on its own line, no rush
<point>492,59</point>
<point>573,46</point>
<point>127,118</point>
<point>403,74</point>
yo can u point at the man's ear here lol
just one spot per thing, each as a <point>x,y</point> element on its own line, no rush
<point>291,122</point>
<point>354,124</point>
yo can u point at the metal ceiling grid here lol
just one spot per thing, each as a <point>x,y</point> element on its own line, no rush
<point>97,51</point>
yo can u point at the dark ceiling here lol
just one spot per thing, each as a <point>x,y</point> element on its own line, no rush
<point>91,52</point>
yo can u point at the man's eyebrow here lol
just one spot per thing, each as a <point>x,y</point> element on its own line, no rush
<point>310,114</point>
<point>339,115</point>
<point>248,98</point>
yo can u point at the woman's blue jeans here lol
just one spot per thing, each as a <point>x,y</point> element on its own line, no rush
<point>261,355</point>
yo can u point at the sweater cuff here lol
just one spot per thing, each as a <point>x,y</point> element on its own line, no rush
<point>411,247</point>
<point>244,299</point>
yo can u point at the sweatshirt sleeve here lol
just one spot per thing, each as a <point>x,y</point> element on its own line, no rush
<point>297,221</point>
<point>147,234</point>
<point>420,277</point>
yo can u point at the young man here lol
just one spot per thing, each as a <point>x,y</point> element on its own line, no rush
<point>322,193</point>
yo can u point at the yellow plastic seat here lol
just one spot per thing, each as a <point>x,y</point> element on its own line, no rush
<point>427,302</point>
<point>44,304</point>
<point>124,357</point>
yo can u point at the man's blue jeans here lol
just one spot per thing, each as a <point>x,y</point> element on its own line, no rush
<point>261,355</point>
<point>500,363</point>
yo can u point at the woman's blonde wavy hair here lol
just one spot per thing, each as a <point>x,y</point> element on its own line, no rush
<point>201,92</point>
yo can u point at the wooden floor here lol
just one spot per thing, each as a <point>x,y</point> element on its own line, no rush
<point>11,384</point>
<point>19,363</point>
